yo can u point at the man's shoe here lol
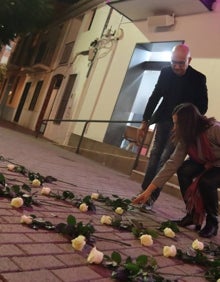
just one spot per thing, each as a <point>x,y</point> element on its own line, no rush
<point>147,206</point>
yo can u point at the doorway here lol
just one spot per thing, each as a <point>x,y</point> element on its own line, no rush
<point>143,71</point>
<point>48,102</point>
<point>22,101</point>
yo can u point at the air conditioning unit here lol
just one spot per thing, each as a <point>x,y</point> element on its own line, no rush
<point>160,21</point>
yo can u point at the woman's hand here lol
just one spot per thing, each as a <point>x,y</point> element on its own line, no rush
<point>143,197</point>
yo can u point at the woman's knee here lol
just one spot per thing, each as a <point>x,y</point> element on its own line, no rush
<point>206,184</point>
<point>190,169</point>
<point>183,171</point>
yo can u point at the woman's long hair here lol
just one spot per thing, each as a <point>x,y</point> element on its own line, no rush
<point>190,124</point>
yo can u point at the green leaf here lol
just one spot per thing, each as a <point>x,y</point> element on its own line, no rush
<point>31,176</point>
<point>2,179</point>
<point>61,228</point>
<point>132,267</point>
<point>128,260</point>
<point>142,260</point>
<point>116,257</point>
<point>27,200</point>
<point>16,189</point>
<point>71,220</point>
<point>86,199</point>
<point>67,195</point>
<point>26,187</point>
<point>20,169</point>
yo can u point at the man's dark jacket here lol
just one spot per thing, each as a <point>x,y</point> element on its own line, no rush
<point>174,90</point>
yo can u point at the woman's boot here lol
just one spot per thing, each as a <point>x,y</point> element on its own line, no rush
<point>211,227</point>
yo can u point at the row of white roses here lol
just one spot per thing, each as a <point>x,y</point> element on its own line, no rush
<point>96,256</point>
<point>18,202</point>
<point>79,242</point>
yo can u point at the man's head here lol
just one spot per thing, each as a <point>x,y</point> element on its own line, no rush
<point>180,59</point>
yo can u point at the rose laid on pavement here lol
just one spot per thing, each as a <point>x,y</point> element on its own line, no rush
<point>146,240</point>
<point>106,219</point>
<point>168,232</point>
<point>79,242</point>
<point>45,191</point>
<point>119,210</point>
<point>94,196</point>
<point>197,245</point>
<point>83,207</point>
<point>17,202</point>
<point>26,219</point>
<point>11,167</point>
<point>36,183</point>
<point>169,251</point>
<point>95,256</point>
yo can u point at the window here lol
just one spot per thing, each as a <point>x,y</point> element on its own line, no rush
<point>65,98</point>
<point>88,19</point>
<point>35,95</point>
<point>41,52</point>
<point>12,94</point>
<point>22,101</point>
<point>92,18</point>
<point>66,53</point>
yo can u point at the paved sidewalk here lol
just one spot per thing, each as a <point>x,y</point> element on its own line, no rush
<point>30,255</point>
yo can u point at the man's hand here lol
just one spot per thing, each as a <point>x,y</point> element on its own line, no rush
<point>141,132</point>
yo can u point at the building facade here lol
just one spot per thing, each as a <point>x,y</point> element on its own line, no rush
<point>95,64</point>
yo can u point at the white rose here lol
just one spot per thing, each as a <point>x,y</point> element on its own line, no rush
<point>106,219</point>
<point>169,251</point>
<point>83,207</point>
<point>79,242</point>
<point>17,202</point>
<point>26,219</point>
<point>146,240</point>
<point>94,196</point>
<point>36,183</point>
<point>95,256</point>
<point>197,245</point>
<point>119,210</point>
<point>169,232</point>
<point>45,191</point>
<point>11,167</point>
<point>218,280</point>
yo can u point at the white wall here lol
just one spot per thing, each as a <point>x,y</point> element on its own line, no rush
<point>107,74</point>
<point>95,96</point>
<point>202,33</point>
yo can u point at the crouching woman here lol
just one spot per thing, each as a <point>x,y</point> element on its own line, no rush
<point>198,138</point>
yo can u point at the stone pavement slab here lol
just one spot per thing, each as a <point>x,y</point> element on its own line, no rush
<point>39,255</point>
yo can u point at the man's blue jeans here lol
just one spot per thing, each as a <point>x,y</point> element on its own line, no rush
<point>160,153</point>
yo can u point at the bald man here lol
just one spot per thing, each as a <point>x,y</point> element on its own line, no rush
<point>178,83</point>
